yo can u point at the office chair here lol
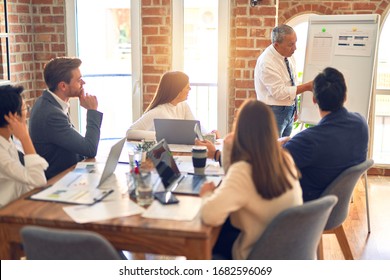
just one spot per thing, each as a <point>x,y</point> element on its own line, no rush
<point>42,243</point>
<point>343,187</point>
<point>294,233</point>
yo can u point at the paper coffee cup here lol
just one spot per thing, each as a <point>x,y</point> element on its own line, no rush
<point>199,158</point>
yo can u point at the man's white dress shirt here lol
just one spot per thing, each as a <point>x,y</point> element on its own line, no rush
<point>272,80</point>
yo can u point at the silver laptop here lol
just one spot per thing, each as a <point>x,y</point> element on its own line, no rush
<point>93,174</point>
<point>176,131</point>
<point>170,175</point>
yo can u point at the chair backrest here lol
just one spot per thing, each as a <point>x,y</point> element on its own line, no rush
<point>343,187</point>
<point>41,243</point>
<point>294,234</point>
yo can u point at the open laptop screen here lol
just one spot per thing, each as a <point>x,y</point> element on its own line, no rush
<point>164,163</point>
<point>176,131</point>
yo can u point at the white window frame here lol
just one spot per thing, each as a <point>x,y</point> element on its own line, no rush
<point>378,92</point>
<point>136,58</point>
<point>223,54</point>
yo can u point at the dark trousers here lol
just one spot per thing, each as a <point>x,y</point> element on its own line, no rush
<point>223,247</point>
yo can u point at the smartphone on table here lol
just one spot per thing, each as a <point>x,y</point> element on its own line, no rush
<point>166,197</point>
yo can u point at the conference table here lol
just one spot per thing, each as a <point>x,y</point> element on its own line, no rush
<point>136,234</point>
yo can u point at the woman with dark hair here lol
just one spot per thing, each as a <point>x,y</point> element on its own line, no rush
<point>16,179</point>
<point>168,103</point>
<point>261,180</point>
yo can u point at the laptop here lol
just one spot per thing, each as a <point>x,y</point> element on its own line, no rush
<point>170,175</point>
<point>92,174</point>
<point>176,131</point>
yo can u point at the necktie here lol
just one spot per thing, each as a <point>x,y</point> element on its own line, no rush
<point>70,121</point>
<point>291,78</point>
<point>289,71</point>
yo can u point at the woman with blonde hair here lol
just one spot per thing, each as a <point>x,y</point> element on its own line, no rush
<point>167,103</point>
<point>261,181</point>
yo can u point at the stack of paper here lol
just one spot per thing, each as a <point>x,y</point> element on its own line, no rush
<point>186,210</point>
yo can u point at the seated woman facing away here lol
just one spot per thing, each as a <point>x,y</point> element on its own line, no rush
<point>261,180</point>
<point>16,179</point>
<point>168,103</point>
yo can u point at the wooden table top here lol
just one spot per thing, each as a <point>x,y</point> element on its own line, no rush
<point>133,233</point>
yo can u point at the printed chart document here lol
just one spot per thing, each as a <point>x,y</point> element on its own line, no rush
<point>80,186</point>
<point>74,195</point>
<point>76,188</point>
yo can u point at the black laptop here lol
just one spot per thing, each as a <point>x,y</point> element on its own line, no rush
<point>172,179</point>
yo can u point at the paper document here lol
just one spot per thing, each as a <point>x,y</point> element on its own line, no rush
<point>103,211</point>
<point>75,195</point>
<point>66,190</point>
<point>186,210</point>
<point>178,148</point>
<point>184,163</point>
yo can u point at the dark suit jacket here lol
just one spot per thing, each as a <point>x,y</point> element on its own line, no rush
<point>55,138</point>
<point>322,152</point>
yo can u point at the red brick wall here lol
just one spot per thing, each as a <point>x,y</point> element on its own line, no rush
<point>37,30</point>
<point>21,45</point>
<point>156,44</point>
<point>37,33</point>
<point>250,35</point>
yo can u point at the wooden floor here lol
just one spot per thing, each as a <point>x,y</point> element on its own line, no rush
<point>364,246</point>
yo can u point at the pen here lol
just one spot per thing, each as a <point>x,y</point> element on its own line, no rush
<point>104,194</point>
<point>205,175</point>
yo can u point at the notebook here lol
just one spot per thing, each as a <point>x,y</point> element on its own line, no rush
<point>80,186</point>
<point>176,131</point>
<point>170,175</point>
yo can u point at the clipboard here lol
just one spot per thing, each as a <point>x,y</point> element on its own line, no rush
<point>82,196</point>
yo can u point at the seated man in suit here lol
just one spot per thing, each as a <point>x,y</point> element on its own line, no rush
<point>337,142</point>
<point>51,130</point>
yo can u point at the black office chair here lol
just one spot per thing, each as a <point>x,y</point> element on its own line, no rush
<point>294,234</point>
<point>42,243</point>
<point>343,187</point>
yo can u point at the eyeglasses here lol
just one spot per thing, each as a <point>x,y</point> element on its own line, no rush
<point>26,108</point>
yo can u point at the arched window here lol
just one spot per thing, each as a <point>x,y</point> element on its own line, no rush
<point>381,147</point>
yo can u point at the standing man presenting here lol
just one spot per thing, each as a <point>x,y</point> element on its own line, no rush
<point>51,130</point>
<point>276,77</point>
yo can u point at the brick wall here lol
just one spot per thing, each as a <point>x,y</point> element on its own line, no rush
<point>37,30</point>
<point>250,35</point>
<point>37,33</point>
<point>156,44</point>
<point>21,45</point>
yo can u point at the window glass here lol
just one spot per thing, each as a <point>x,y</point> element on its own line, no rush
<point>104,46</point>
<point>381,149</point>
<point>201,58</point>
